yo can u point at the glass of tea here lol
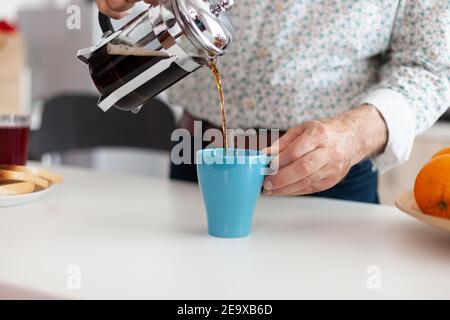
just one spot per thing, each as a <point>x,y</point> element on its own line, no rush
<point>14,133</point>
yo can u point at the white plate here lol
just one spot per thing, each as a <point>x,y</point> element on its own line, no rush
<point>8,201</point>
<point>407,204</point>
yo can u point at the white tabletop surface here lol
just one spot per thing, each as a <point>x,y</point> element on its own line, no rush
<point>141,237</point>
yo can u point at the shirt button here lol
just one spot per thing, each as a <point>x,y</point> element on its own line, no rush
<point>249,103</point>
<point>263,53</point>
<point>279,7</point>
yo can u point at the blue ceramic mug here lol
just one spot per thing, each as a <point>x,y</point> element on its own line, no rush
<point>230,186</point>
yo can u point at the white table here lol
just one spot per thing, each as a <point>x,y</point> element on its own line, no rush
<point>140,237</point>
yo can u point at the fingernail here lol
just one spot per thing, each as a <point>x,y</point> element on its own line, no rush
<point>268,185</point>
<point>267,192</point>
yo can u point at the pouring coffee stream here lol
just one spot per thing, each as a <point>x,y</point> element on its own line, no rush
<point>216,73</point>
<point>156,49</point>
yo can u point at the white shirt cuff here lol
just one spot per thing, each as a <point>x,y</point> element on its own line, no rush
<point>400,121</point>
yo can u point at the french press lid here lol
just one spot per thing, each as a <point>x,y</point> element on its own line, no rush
<point>207,23</point>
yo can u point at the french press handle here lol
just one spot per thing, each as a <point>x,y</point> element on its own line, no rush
<point>105,23</point>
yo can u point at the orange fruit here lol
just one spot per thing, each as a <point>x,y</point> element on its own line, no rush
<point>441,153</point>
<point>432,187</point>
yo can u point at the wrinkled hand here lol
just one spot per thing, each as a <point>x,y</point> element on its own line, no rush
<point>316,155</point>
<point>117,9</point>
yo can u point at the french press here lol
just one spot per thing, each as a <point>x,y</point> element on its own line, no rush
<point>159,47</point>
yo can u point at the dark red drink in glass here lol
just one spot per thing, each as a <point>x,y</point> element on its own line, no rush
<point>14,133</point>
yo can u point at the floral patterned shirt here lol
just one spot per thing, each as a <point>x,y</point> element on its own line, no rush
<point>296,60</point>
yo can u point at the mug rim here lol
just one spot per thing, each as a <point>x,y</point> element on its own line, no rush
<point>258,153</point>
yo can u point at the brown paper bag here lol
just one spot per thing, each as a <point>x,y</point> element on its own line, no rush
<point>11,67</point>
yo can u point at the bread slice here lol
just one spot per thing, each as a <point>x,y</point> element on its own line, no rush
<point>48,175</point>
<point>9,175</point>
<point>17,188</point>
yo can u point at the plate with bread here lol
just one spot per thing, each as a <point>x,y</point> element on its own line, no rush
<point>23,184</point>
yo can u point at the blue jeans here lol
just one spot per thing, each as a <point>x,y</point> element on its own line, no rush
<point>360,184</point>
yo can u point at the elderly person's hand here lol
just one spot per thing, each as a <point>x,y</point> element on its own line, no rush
<point>316,155</point>
<point>117,8</point>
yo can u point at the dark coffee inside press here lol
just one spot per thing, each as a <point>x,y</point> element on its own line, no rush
<point>112,66</point>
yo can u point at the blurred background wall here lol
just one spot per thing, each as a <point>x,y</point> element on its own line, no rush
<point>51,50</point>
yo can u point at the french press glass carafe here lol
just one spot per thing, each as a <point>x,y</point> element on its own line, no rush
<point>159,47</point>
